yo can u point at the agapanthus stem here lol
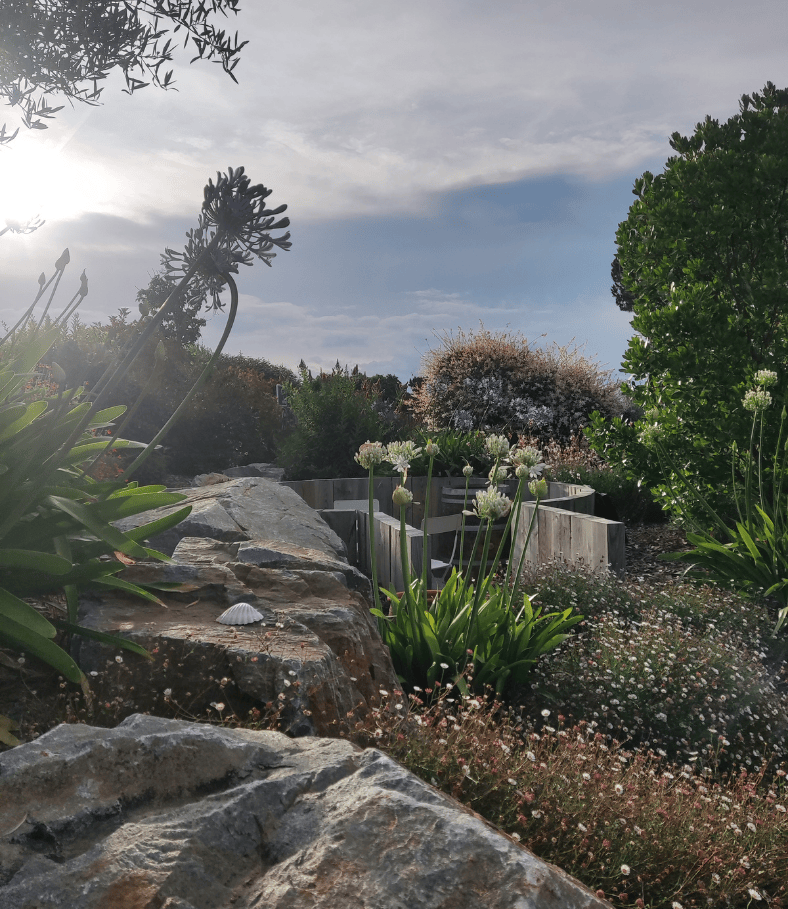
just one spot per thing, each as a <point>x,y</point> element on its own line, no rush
<point>203,378</point>
<point>373,561</point>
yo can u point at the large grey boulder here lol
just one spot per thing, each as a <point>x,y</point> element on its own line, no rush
<point>317,652</point>
<point>243,509</point>
<point>170,814</point>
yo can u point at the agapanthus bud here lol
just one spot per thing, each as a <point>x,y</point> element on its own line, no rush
<point>402,496</point>
<point>522,471</point>
<point>499,475</point>
<point>467,471</point>
<point>431,450</point>
<point>538,488</point>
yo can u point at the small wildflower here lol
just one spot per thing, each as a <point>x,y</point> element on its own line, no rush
<point>545,713</point>
<point>625,869</point>
<point>168,692</point>
<point>582,828</point>
<point>619,789</point>
<point>754,894</point>
<point>118,659</point>
<point>531,756</point>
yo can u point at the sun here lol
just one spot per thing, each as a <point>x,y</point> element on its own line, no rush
<point>37,181</point>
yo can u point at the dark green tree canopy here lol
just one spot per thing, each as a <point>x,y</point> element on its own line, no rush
<point>703,258</point>
<point>69,47</point>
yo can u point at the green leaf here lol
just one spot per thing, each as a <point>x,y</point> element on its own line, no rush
<point>17,636</point>
<point>34,561</point>
<point>127,587</point>
<point>100,528</point>
<point>12,609</point>
<point>31,412</point>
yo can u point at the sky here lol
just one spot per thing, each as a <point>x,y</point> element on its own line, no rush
<point>446,165</point>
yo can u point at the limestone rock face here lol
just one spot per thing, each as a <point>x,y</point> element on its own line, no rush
<point>171,814</point>
<point>243,509</point>
<point>317,652</point>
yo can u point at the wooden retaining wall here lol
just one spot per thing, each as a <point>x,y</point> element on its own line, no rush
<point>565,529</point>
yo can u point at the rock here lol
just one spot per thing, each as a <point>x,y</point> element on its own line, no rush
<point>177,815</point>
<point>317,653</point>
<point>256,470</point>
<point>209,479</point>
<point>244,509</point>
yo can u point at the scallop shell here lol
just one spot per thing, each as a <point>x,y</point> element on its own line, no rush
<point>240,614</point>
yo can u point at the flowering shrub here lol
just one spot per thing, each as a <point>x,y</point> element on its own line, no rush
<point>498,382</point>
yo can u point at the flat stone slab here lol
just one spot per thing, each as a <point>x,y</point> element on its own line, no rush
<point>177,815</point>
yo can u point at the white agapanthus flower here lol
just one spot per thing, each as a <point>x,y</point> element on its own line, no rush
<point>757,399</point>
<point>400,454</point>
<point>490,505</point>
<point>370,454</point>
<point>497,447</point>
<point>765,378</point>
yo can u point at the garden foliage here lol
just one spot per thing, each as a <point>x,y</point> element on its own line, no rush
<point>499,382</point>
<point>335,414</point>
<point>703,255</point>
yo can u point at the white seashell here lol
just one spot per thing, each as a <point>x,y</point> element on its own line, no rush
<point>240,614</point>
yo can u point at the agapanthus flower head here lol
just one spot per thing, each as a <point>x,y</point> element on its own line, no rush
<point>498,475</point>
<point>522,471</point>
<point>650,434</point>
<point>490,505</point>
<point>402,496</point>
<point>496,447</point>
<point>757,399</point>
<point>765,378</point>
<point>538,488</point>
<point>370,454</point>
<point>233,227</point>
<point>400,454</point>
<point>467,471</point>
<point>527,456</point>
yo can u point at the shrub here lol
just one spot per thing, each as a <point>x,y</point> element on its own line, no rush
<point>702,254</point>
<point>496,381</point>
<point>335,415</point>
<point>233,420</point>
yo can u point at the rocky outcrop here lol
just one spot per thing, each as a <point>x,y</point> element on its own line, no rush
<point>176,815</point>
<point>244,509</point>
<point>317,653</point>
